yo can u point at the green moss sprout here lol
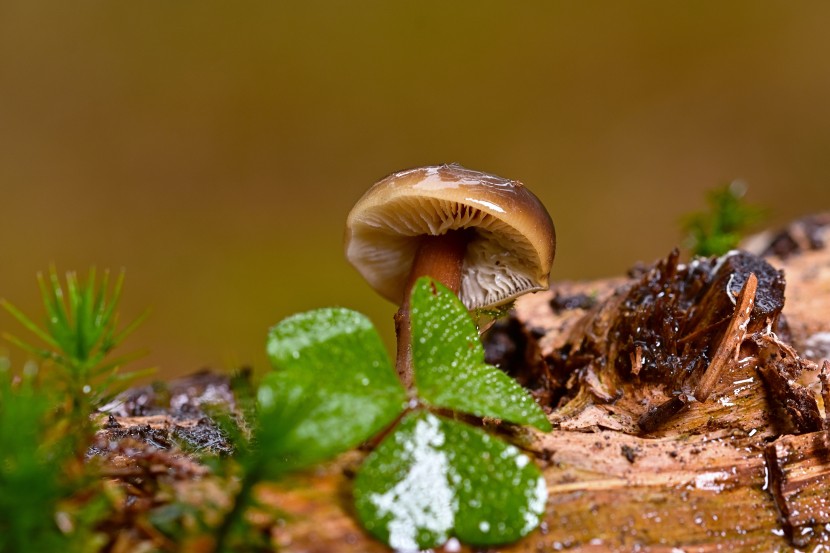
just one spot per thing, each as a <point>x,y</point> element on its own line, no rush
<point>79,334</point>
<point>720,229</point>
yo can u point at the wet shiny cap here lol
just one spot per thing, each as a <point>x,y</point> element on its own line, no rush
<point>512,242</point>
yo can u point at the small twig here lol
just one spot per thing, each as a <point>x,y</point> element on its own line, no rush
<point>655,417</point>
<point>729,346</point>
<point>637,360</point>
<point>122,472</point>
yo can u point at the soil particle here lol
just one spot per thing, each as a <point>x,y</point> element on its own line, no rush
<point>630,453</point>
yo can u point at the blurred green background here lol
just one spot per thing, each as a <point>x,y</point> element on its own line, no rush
<point>214,149</point>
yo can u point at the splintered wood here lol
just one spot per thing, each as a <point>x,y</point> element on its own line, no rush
<point>730,344</point>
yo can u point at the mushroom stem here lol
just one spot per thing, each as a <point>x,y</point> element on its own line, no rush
<point>440,257</point>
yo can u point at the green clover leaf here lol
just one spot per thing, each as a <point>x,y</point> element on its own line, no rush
<point>449,362</point>
<point>333,362</point>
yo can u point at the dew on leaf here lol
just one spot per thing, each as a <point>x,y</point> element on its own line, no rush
<point>465,481</point>
<point>420,504</point>
<point>265,396</point>
<point>537,498</point>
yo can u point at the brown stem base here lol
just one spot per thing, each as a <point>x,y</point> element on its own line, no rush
<point>440,257</point>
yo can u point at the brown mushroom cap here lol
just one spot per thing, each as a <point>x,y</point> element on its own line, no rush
<point>512,241</point>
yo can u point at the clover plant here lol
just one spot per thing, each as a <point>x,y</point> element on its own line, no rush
<point>432,476</point>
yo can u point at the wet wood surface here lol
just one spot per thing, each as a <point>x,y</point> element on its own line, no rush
<point>687,407</point>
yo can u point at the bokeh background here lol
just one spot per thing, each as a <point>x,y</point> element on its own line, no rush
<point>213,150</point>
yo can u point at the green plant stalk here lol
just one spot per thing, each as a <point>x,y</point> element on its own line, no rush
<point>242,501</point>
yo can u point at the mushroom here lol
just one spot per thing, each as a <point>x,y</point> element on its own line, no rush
<point>486,238</point>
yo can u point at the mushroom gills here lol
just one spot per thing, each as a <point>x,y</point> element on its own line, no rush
<point>496,268</point>
<point>493,274</point>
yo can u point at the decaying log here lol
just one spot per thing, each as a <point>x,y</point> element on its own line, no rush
<point>687,404</point>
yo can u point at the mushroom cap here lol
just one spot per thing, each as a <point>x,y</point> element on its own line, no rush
<point>509,253</point>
